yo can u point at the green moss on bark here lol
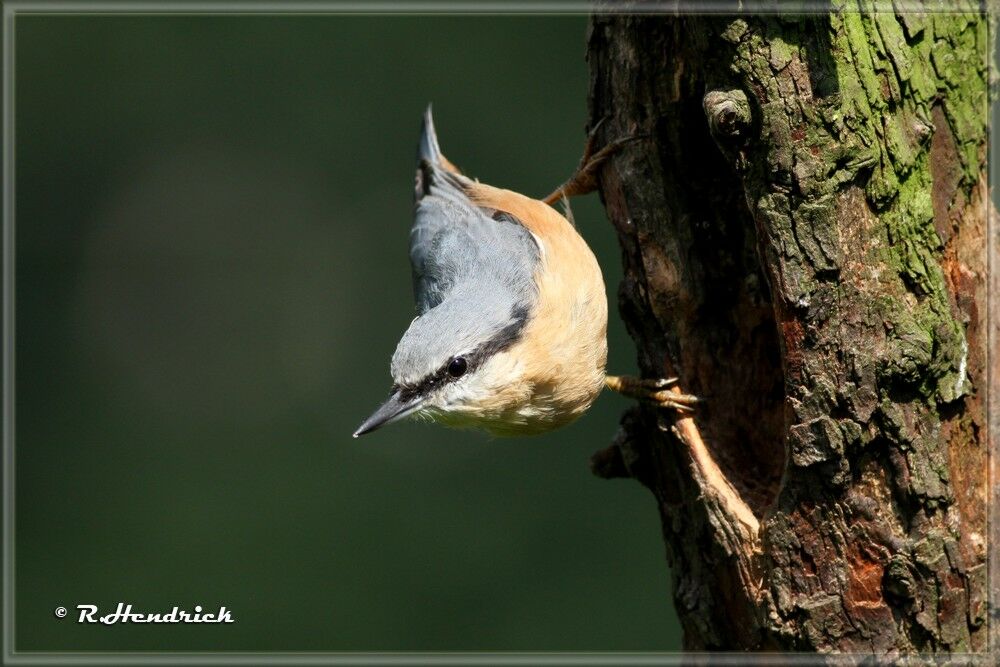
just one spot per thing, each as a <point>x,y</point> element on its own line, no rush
<point>885,101</point>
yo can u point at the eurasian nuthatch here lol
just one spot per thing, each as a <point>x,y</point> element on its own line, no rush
<point>510,333</point>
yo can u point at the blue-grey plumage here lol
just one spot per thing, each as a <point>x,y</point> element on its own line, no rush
<point>485,268</point>
<point>472,273</point>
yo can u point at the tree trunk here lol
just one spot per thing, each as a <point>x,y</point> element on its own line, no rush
<point>803,217</point>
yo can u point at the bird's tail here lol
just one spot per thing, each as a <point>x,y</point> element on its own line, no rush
<point>429,150</point>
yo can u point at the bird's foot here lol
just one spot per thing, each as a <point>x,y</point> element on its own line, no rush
<point>584,180</point>
<point>657,392</point>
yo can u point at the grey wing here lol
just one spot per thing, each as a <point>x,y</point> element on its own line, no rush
<point>453,240</point>
<point>439,231</point>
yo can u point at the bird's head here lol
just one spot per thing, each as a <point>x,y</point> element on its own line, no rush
<point>451,363</point>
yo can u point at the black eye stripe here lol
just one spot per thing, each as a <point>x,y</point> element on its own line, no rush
<point>501,341</point>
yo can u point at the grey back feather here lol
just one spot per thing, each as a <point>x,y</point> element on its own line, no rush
<point>473,269</point>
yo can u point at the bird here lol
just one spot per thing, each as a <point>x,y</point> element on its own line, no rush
<point>510,335</point>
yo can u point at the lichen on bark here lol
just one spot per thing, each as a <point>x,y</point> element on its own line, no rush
<point>799,236</point>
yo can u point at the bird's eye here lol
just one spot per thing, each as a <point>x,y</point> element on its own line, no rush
<point>457,367</point>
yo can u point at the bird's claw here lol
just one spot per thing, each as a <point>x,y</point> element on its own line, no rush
<point>584,179</point>
<point>653,391</point>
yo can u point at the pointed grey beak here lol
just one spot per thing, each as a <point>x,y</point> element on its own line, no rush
<point>392,410</point>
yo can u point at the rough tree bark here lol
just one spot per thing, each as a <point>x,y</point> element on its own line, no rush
<point>803,220</point>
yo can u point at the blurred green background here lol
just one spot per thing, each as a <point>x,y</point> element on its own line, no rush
<point>212,273</point>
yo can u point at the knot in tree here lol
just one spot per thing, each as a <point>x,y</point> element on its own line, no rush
<point>728,113</point>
